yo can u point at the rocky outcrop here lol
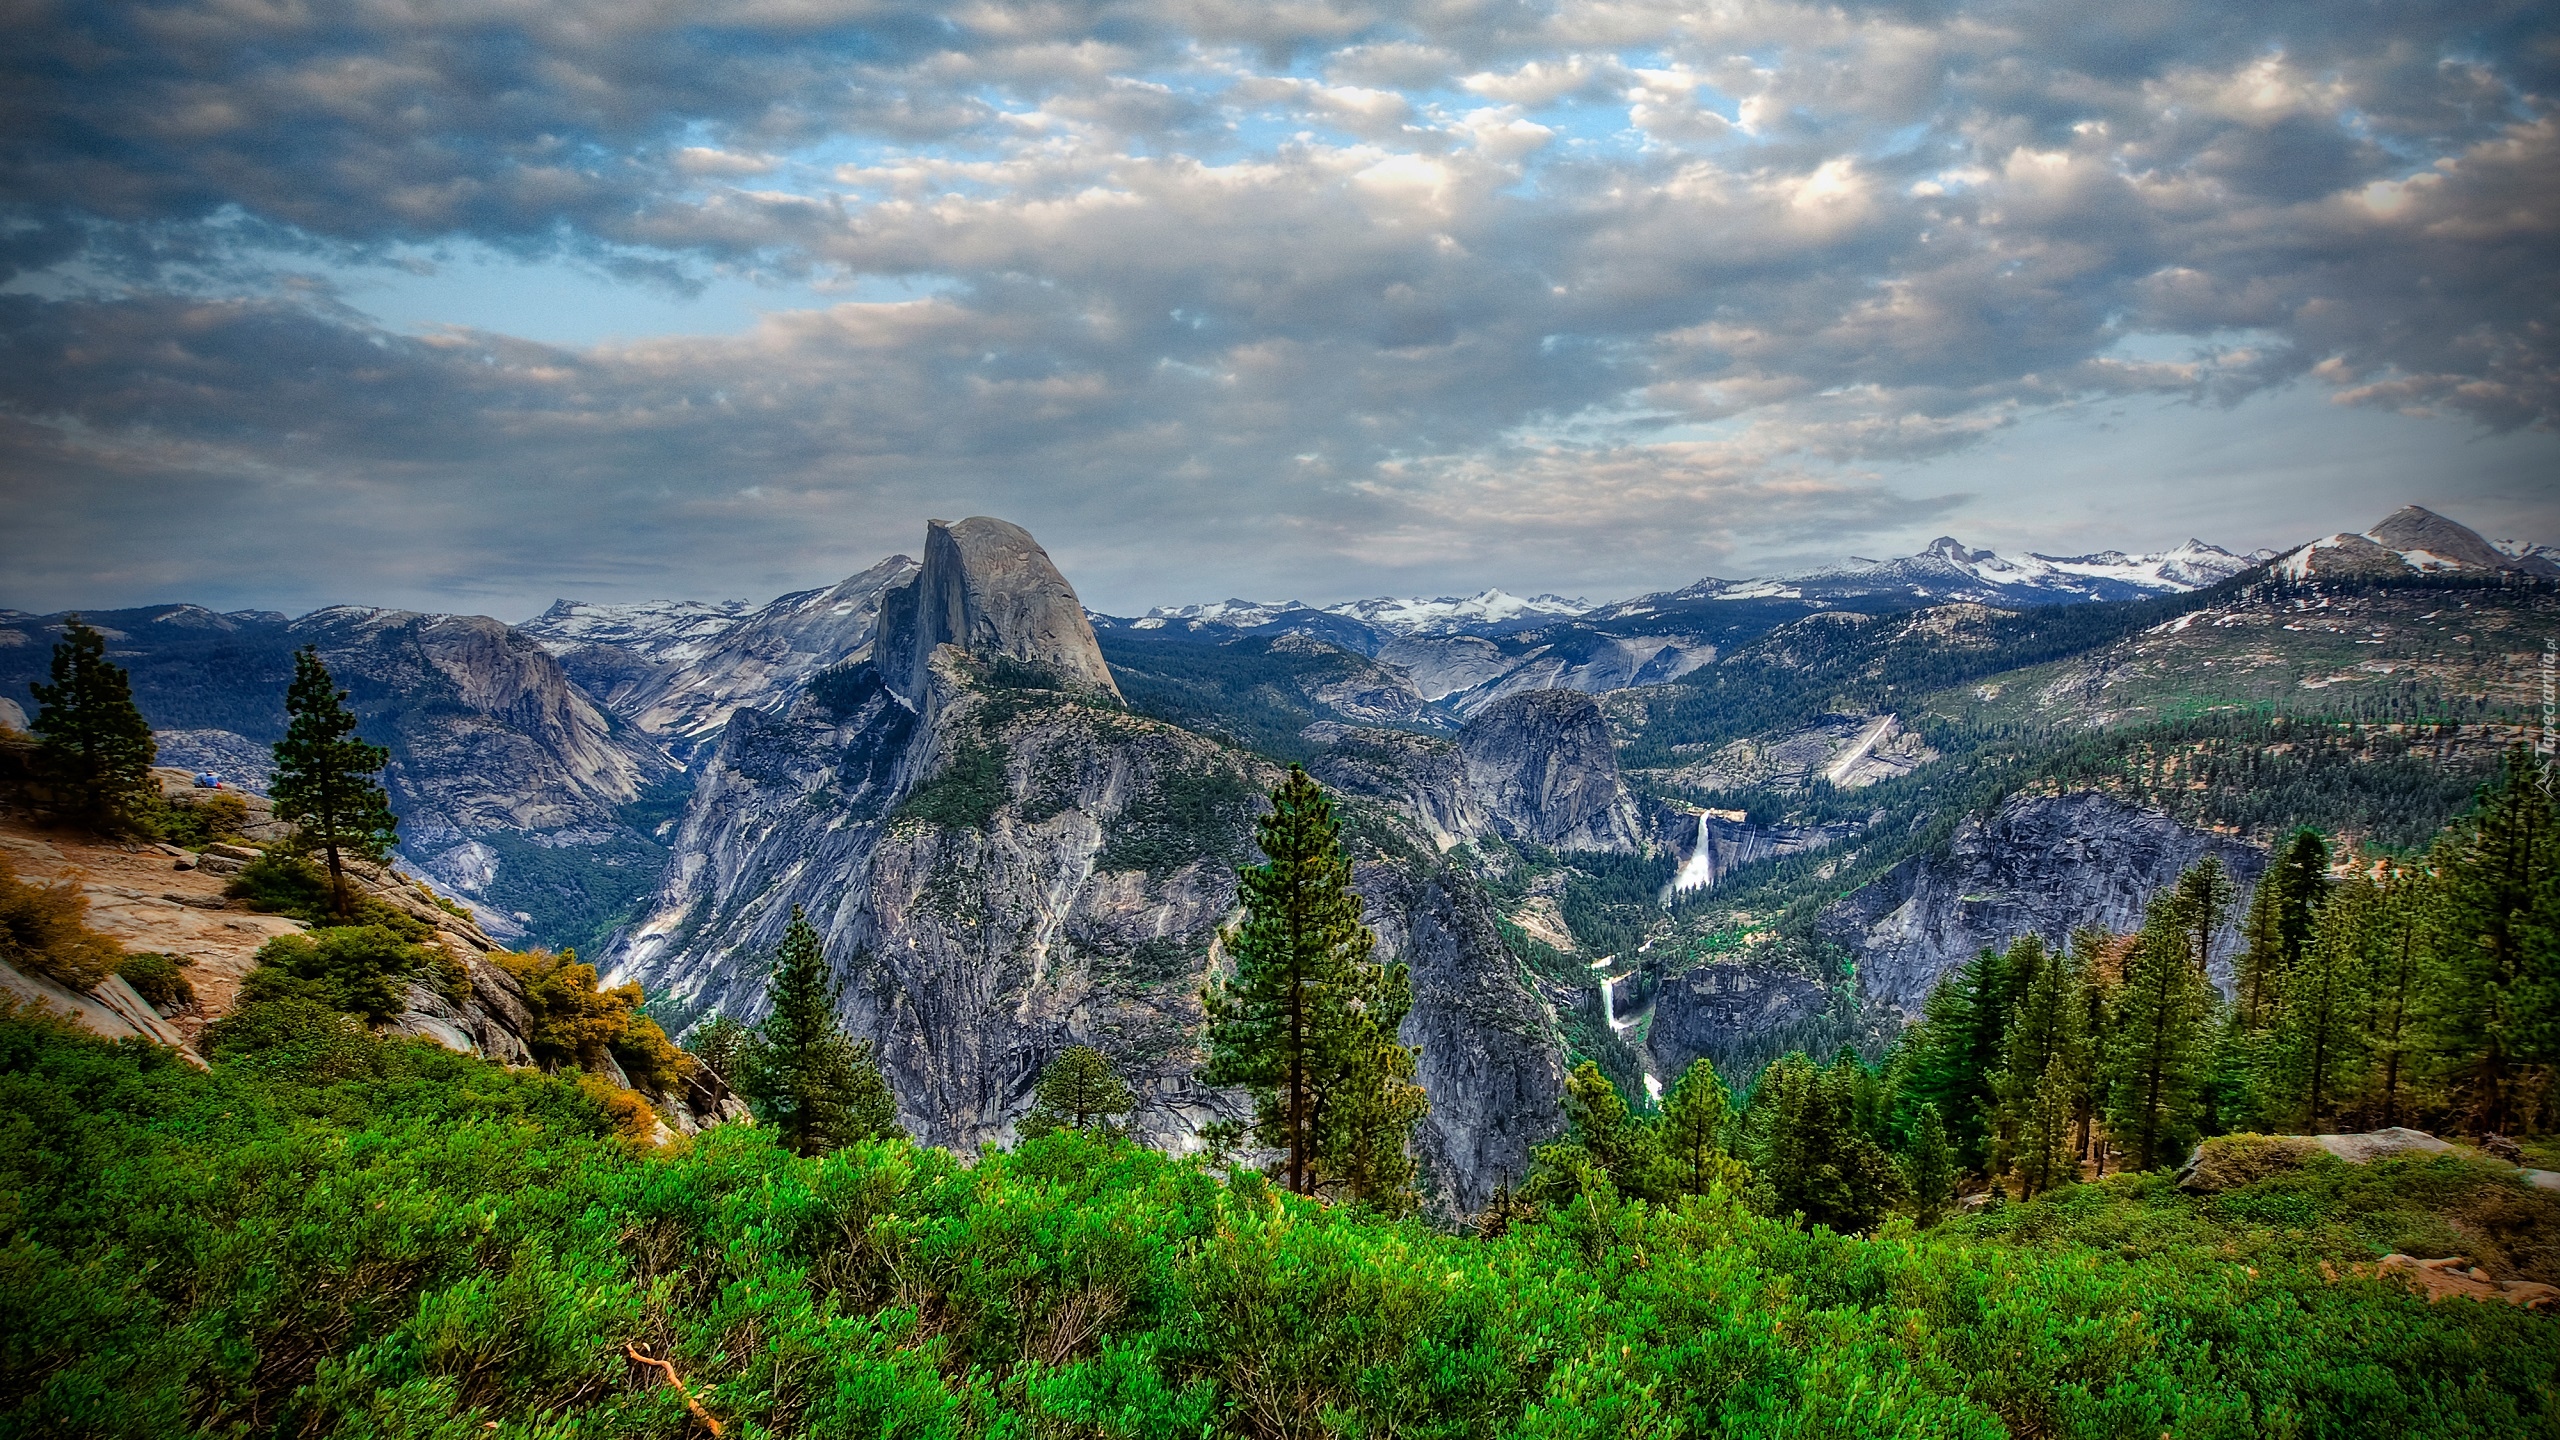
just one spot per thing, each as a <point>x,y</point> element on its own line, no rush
<point>987,587</point>
<point>1727,1011</point>
<point>1490,1058</point>
<point>1422,777</point>
<point>677,672</point>
<point>2043,865</point>
<point>1587,661</point>
<point>1546,772</point>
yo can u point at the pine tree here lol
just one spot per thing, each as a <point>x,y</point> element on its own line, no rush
<point>1690,1136</point>
<point>2493,947</point>
<point>2045,1158</point>
<point>1930,1171</point>
<point>97,749</point>
<point>2395,992</point>
<point>1808,1154</point>
<point>800,1071</point>
<point>2205,895</point>
<point>1959,1051</point>
<point>1078,1091</point>
<point>2041,1021</point>
<point>2157,1038</point>
<point>2041,1085</point>
<point>1603,1138</point>
<point>325,781</point>
<point>1306,1024</point>
<point>2091,951</point>
<point>2281,912</point>
<point>2320,1040</point>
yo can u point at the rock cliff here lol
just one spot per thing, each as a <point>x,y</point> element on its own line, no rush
<point>1543,765</point>
<point>2044,865</point>
<point>987,587</point>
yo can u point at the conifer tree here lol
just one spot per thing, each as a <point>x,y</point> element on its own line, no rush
<point>2394,991</point>
<point>1963,1028</point>
<point>1691,1134</point>
<point>2320,1040</point>
<point>2091,951</point>
<point>2042,1085</point>
<point>1930,1171</point>
<point>1603,1138</point>
<point>2041,1020</point>
<point>1808,1153</point>
<point>96,749</point>
<point>2279,924</point>
<point>325,783</point>
<point>2205,894</point>
<point>1079,1091</point>
<point>1306,1024</point>
<point>2157,1037</point>
<point>800,1071</point>
<point>2498,979</point>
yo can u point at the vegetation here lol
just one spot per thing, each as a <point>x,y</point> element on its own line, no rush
<point>1181,816</point>
<point>96,749</point>
<point>159,979</point>
<point>325,781</point>
<point>577,1022</point>
<point>202,819</point>
<point>44,931</point>
<point>818,1086</point>
<point>1307,1023</point>
<point>362,970</point>
<point>966,793</point>
<point>329,1234</point>
<point>1078,1091</point>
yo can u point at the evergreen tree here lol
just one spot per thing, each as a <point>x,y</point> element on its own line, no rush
<point>2045,1158</point>
<point>2498,978</point>
<point>800,1071</point>
<point>2042,1083</point>
<point>96,749</point>
<point>2091,952</point>
<point>716,1043</point>
<point>2042,1020</point>
<point>1691,1135</point>
<point>2205,894</point>
<point>2279,926</point>
<point>1808,1154</point>
<point>1079,1091</point>
<point>325,783</point>
<point>2157,1038</point>
<point>1959,1051</point>
<point>2320,1041</point>
<point>2395,992</point>
<point>1603,1139</point>
<point>1306,1024</point>
<point>1930,1171</point>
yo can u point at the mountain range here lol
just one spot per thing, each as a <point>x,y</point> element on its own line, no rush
<point>1709,821</point>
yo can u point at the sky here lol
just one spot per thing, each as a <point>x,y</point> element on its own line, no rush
<point>471,304</point>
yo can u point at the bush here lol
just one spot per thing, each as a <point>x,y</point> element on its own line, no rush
<point>44,931</point>
<point>160,979</point>
<point>360,969</point>
<point>215,815</point>
<point>575,1022</point>
<point>294,1037</point>
<point>280,882</point>
<point>2227,1162</point>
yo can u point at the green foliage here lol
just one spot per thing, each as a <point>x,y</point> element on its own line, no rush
<point>577,895</point>
<point>159,979</point>
<point>804,1075</point>
<point>95,749</point>
<point>403,1242</point>
<point>578,1022</point>
<point>44,930</point>
<point>966,793</point>
<point>1929,1171</point>
<point>2157,1039</point>
<point>2495,1008</point>
<point>1078,1091</point>
<point>280,882</point>
<point>359,969</point>
<point>716,1044</point>
<point>326,781</point>
<point>1307,1022</point>
<point>1960,1047</point>
<point>202,819</point>
<point>1813,1151</point>
<point>1180,816</point>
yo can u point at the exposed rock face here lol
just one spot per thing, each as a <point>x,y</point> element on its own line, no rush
<point>1846,751</point>
<point>1490,1058</point>
<point>1726,1009</point>
<point>1002,872</point>
<point>987,587</point>
<point>2043,865</point>
<point>678,672</point>
<point>1546,772</point>
<point>1593,664</point>
<point>1422,777</point>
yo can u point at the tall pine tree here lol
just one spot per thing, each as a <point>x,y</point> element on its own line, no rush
<point>1691,1135</point>
<point>2320,1040</point>
<point>96,749</point>
<point>2498,978</point>
<point>325,783</point>
<point>1306,1024</point>
<point>1079,1091</point>
<point>820,1087</point>
<point>2158,1041</point>
<point>2394,993</point>
<point>1959,1051</point>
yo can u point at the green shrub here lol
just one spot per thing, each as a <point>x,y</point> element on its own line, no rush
<point>203,819</point>
<point>280,882</point>
<point>360,969</point>
<point>160,979</point>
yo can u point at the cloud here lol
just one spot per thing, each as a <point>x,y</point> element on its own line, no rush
<point>1424,285</point>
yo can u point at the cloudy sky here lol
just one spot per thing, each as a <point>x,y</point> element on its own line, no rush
<point>466,304</point>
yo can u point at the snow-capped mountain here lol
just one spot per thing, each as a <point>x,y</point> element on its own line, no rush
<point>1949,571</point>
<point>1391,615</point>
<point>669,632</point>
<point>2413,538</point>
